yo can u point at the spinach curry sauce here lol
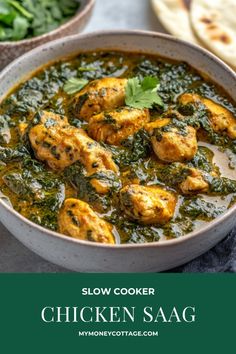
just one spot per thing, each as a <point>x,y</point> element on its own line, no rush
<point>38,192</point>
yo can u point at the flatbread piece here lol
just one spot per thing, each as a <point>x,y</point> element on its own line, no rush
<point>214,23</point>
<point>174,16</point>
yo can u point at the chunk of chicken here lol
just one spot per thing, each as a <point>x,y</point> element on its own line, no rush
<point>175,145</point>
<point>113,127</point>
<point>157,124</point>
<point>222,120</point>
<point>60,145</point>
<point>78,220</point>
<point>147,205</point>
<point>50,119</point>
<point>194,183</point>
<point>99,95</point>
<point>22,128</point>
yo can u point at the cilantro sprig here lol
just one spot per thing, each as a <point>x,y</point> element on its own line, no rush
<point>74,85</point>
<point>138,93</point>
<point>142,94</point>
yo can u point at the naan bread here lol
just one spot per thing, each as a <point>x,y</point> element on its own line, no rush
<point>214,22</point>
<point>174,16</point>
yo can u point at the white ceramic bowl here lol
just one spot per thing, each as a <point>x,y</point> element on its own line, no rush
<point>91,257</point>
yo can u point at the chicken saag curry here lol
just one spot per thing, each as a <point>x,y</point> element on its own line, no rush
<point>118,148</point>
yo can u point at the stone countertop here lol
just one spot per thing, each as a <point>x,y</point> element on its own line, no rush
<point>113,14</point>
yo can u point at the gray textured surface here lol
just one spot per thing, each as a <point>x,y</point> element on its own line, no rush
<point>221,258</point>
<point>115,14</point>
<point>123,14</point>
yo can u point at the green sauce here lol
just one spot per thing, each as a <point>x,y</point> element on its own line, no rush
<point>38,193</point>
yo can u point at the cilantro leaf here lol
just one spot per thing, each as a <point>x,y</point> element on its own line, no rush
<point>20,27</point>
<point>149,83</point>
<point>142,94</point>
<point>74,85</point>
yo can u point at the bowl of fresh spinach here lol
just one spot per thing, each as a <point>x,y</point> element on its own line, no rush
<point>25,24</point>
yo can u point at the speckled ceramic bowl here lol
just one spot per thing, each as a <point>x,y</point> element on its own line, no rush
<point>12,50</point>
<point>91,257</point>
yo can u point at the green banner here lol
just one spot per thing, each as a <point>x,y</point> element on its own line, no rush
<point>71,313</point>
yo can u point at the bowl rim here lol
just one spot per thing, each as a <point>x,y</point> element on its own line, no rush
<point>161,243</point>
<point>80,13</point>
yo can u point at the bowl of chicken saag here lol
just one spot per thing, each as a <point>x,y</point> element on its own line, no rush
<point>120,157</point>
<point>26,24</point>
